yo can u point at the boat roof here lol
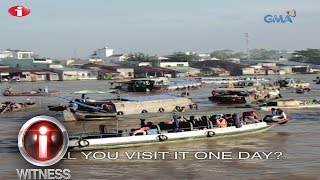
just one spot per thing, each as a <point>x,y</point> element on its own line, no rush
<point>93,91</point>
<point>235,89</point>
<point>147,79</point>
<point>152,97</point>
<point>216,111</point>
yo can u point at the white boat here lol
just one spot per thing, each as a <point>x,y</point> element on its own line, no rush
<point>192,128</point>
<point>100,141</point>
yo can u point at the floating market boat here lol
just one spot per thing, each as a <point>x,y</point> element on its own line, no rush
<point>154,84</point>
<point>89,109</point>
<point>302,90</point>
<point>37,92</point>
<point>226,80</point>
<point>246,95</point>
<point>8,106</point>
<point>195,126</point>
<point>290,104</point>
<point>291,83</point>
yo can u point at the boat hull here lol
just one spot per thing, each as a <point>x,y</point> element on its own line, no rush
<point>102,143</point>
<point>54,93</point>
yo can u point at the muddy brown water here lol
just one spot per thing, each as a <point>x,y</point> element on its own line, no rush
<point>298,141</point>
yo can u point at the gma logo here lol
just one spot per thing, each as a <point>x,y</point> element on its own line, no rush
<point>277,19</point>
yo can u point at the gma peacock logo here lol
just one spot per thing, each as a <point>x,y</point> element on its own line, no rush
<point>281,18</point>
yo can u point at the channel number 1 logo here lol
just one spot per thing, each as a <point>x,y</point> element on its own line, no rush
<point>19,11</point>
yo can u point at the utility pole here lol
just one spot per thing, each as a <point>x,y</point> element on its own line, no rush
<point>247,44</point>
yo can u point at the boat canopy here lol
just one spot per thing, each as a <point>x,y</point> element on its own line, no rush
<point>152,97</point>
<point>216,111</point>
<point>92,91</point>
<point>235,89</point>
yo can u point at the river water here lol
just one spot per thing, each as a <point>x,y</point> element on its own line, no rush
<point>297,143</point>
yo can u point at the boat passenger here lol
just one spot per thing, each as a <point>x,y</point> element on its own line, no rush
<point>221,122</point>
<point>29,102</point>
<point>236,120</point>
<point>251,115</point>
<point>143,130</point>
<point>46,89</point>
<point>8,90</point>
<point>281,114</point>
<point>183,109</point>
<point>177,120</point>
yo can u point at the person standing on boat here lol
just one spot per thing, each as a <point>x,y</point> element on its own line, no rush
<point>236,120</point>
<point>177,120</point>
<point>46,89</point>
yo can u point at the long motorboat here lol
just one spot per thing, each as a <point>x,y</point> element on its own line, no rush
<point>290,104</point>
<point>226,80</point>
<point>37,92</point>
<point>89,109</point>
<point>154,84</point>
<point>194,127</point>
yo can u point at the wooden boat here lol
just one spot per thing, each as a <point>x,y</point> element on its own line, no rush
<point>199,127</point>
<point>8,107</point>
<point>233,95</point>
<point>154,85</point>
<point>291,83</point>
<point>289,104</point>
<point>226,80</point>
<point>89,109</point>
<point>33,93</point>
<point>302,90</point>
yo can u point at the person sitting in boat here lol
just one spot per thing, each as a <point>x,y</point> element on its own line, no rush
<point>273,113</point>
<point>183,109</point>
<point>73,106</point>
<point>143,130</point>
<point>8,90</point>
<point>236,120</point>
<point>221,122</point>
<point>280,114</point>
<point>251,115</point>
<point>29,102</point>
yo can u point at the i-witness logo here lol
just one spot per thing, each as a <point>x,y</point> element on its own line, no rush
<point>43,141</point>
<point>19,11</point>
<point>281,18</point>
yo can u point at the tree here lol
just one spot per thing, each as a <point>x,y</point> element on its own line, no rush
<point>311,56</point>
<point>227,54</point>
<point>141,57</point>
<point>261,54</point>
<point>182,57</point>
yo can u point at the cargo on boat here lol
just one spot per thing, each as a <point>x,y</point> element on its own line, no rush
<point>247,95</point>
<point>290,104</point>
<point>291,83</point>
<point>8,106</point>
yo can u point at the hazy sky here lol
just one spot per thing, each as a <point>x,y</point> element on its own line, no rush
<point>56,28</point>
